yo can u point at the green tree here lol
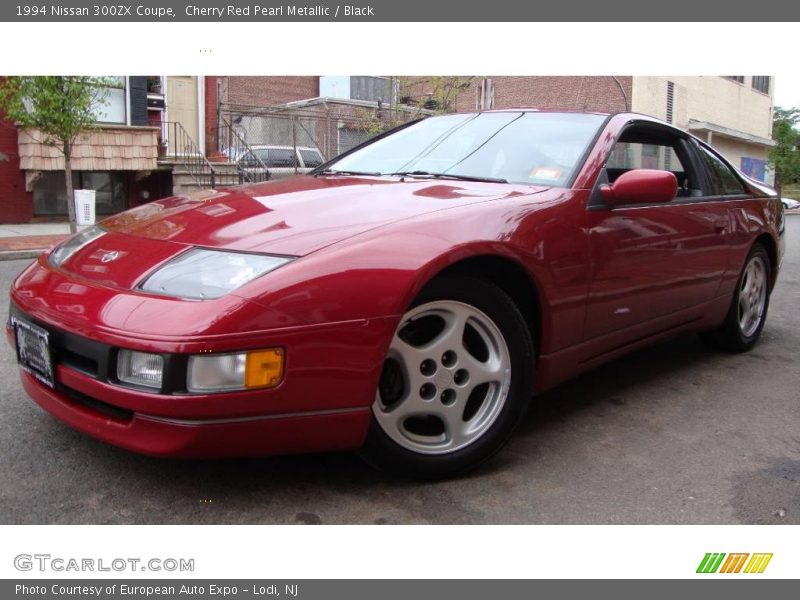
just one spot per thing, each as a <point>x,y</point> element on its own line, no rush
<point>436,95</point>
<point>784,158</point>
<point>58,110</point>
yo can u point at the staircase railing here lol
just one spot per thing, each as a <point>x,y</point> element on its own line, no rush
<point>251,168</point>
<point>178,146</point>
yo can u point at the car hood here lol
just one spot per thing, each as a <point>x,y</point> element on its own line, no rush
<point>292,217</point>
<point>299,215</point>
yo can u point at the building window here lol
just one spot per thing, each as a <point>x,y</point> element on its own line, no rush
<point>366,88</point>
<point>736,78</point>
<point>114,108</point>
<point>761,83</point>
<point>50,191</point>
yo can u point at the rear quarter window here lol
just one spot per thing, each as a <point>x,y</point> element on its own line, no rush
<point>311,158</point>
<point>723,179</point>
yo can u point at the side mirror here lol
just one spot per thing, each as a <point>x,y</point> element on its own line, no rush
<point>641,186</point>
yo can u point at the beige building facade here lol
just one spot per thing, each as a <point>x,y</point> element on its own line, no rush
<point>733,114</point>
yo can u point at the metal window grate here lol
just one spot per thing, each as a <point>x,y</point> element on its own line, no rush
<point>670,100</point>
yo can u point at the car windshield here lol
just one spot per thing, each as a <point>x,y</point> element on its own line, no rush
<point>518,147</point>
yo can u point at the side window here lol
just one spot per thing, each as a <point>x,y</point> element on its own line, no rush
<point>281,158</point>
<point>629,155</point>
<point>311,158</point>
<point>723,180</point>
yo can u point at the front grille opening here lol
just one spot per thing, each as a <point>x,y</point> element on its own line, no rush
<point>109,410</point>
<point>78,362</point>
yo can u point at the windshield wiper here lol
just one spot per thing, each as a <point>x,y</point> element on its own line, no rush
<point>335,172</point>
<point>449,176</point>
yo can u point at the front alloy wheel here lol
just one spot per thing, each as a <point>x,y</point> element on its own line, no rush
<point>454,381</point>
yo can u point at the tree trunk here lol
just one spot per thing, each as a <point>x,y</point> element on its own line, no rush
<point>73,227</point>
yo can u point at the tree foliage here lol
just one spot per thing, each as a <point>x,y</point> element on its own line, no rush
<point>58,109</point>
<point>784,158</point>
<point>434,95</point>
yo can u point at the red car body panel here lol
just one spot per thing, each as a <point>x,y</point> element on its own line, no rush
<point>603,282</point>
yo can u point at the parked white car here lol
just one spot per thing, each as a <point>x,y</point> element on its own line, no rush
<point>281,161</point>
<point>789,204</point>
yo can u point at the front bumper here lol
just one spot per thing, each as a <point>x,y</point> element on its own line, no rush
<point>341,429</point>
<point>323,403</point>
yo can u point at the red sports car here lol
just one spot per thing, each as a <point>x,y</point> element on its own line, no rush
<point>406,299</point>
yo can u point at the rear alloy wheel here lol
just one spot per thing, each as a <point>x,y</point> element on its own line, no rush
<point>748,311</point>
<point>455,381</point>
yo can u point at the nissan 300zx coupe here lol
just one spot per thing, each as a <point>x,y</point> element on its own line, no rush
<point>406,299</point>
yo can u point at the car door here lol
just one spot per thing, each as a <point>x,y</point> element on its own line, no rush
<point>653,266</point>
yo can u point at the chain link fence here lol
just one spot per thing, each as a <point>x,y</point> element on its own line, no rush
<point>325,128</point>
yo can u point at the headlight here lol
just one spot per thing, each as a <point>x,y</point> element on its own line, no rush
<point>69,247</point>
<point>202,274</point>
<point>239,371</point>
<point>140,368</point>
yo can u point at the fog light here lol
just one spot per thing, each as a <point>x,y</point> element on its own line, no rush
<point>140,368</point>
<point>233,372</point>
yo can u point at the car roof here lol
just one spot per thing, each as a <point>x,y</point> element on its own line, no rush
<point>275,147</point>
<point>538,110</point>
<point>630,115</point>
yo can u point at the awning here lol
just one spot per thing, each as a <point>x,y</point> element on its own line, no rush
<point>700,127</point>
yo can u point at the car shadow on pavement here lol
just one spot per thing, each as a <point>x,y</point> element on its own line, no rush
<point>612,382</point>
<point>292,489</point>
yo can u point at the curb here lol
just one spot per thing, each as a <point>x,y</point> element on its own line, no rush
<point>20,254</point>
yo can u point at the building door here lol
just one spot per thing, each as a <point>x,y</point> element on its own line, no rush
<point>182,108</point>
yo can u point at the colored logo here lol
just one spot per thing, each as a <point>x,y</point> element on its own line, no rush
<point>719,562</point>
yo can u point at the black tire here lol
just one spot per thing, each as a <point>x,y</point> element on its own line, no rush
<point>382,452</point>
<point>729,336</point>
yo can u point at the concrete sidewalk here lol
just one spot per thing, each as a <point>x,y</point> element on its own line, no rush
<point>29,240</point>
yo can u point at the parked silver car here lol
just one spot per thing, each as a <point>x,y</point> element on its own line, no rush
<point>281,161</point>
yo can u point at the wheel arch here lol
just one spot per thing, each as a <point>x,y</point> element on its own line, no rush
<point>767,241</point>
<point>511,277</point>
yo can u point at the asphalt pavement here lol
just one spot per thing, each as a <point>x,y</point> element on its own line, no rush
<point>672,434</point>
